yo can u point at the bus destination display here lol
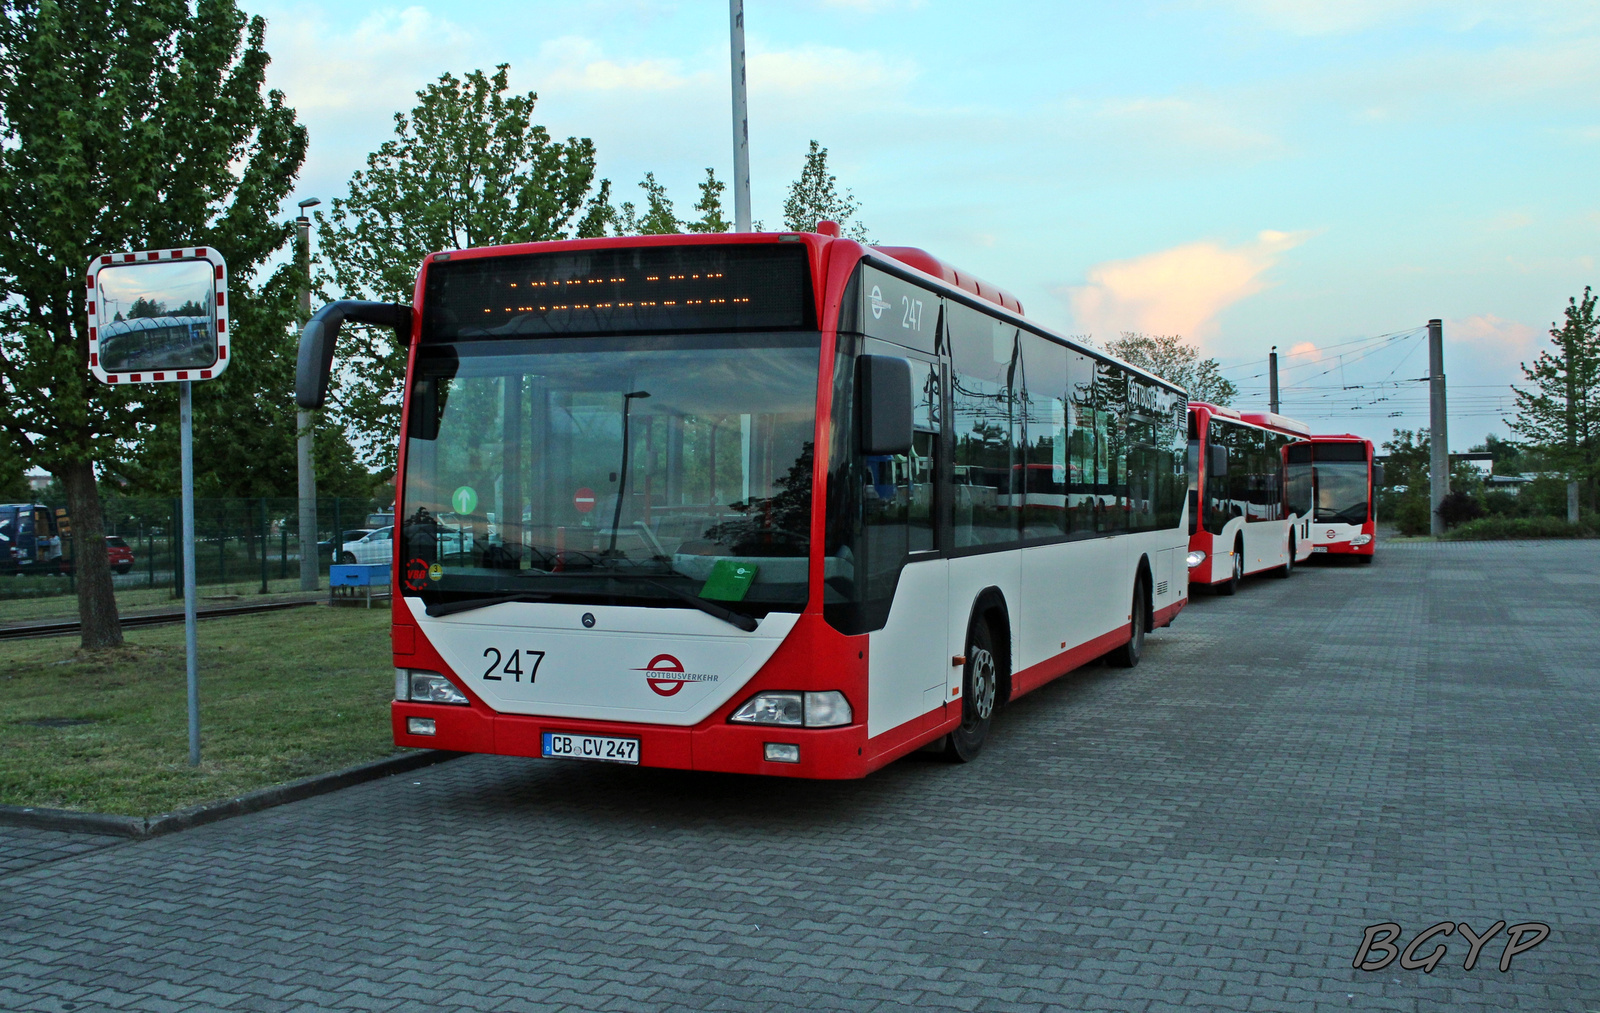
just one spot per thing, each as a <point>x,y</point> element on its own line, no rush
<point>747,286</point>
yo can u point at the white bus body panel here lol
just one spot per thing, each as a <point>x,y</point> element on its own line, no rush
<point>610,672</point>
<point>969,575</point>
<point>906,661</point>
<point>1072,592</point>
<point>1332,532</point>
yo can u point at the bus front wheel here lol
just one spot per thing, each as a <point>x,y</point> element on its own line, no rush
<point>1287,569</point>
<point>1231,585</point>
<point>980,689</point>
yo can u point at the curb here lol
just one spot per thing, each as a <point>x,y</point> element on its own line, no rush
<point>141,827</point>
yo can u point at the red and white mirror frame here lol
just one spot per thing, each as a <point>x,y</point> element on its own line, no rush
<point>218,311</point>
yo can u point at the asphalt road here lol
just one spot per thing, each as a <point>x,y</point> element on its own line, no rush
<point>1413,742</point>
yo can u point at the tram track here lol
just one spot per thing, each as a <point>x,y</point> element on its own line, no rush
<point>55,629</point>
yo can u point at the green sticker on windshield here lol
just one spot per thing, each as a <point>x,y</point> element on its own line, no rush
<point>464,500</point>
<point>729,580</point>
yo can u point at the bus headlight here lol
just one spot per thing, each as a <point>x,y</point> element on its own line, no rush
<point>1360,539</point>
<point>431,687</point>
<point>828,709</point>
<point>1196,558</point>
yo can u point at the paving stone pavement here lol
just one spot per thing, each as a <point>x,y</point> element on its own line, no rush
<point>1411,742</point>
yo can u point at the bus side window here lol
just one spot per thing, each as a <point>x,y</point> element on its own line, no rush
<point>986,421</point>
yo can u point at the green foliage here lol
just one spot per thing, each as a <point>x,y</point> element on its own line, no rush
<point>13,472</point>
<point>1411,515</point>
<point>1458,507</point>
<point>1492,528</point>
<point>1560,412</point>
<point>468,167</point>
<point>657,219</point>
<point>710,206</point>
<point>1171,358</point>
<point>815,197</point>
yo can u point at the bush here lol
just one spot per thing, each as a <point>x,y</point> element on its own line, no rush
<point>1458,508</point>
<point>1411,515</point>
<point>1499,503</point>
<point>1498,528</point>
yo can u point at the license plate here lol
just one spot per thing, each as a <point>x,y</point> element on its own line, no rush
<point>1319,548</point>
<point>591,747</point>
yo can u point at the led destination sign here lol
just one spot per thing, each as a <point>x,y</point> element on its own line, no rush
<point>625,291</point>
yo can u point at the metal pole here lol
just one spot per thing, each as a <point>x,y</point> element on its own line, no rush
<point>308,475</point>
<point>741,121</point>
<point>1272,381</point>
<point>263,545</point>
<point>190,634</point>
<point>1438,432</point>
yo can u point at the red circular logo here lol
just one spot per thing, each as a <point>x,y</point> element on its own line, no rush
<point>583,500</point>
<point>1331,534</point>
<point>416,574</point>
<point>665,663</point>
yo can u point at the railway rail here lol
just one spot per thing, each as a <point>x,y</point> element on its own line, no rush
<point>54,629</point>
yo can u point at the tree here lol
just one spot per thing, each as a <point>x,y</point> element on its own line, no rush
<point>468,167</point>
<point>658,218</point>
<point>13,473</point>
<point>710,206</point>
<point>815,197</point>
<point>1561,413</point>
<point>122,126</point>
<point>1171,358</point>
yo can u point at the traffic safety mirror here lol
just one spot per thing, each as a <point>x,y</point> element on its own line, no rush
<point>886,406</point>
<point>158,316</point>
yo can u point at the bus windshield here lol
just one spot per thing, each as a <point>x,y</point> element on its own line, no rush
<point>627,470</point>
<point>1341,492</point>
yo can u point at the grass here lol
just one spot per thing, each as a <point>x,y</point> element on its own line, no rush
<point>283,695</point>
<point>61,605</point>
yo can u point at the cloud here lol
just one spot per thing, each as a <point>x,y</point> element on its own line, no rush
<point>387,57</point>
<point>1176,291</point>
<point>575,64</point>
<point>810,70</point>
<point>1492,340</point>
<point>1343,17</point>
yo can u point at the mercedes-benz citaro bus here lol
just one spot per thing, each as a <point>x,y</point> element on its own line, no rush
<point>761,503</point>
<point>1336,476</point>
<point>1242,520</point>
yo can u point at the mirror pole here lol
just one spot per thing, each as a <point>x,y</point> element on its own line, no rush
<point>190,634</point>
<point>308,476</point>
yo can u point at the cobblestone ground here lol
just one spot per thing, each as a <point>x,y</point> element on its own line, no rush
<point>1412,742</point>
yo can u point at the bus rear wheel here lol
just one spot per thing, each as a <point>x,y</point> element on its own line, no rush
<point>980,689</point>
<point>1128,655</point>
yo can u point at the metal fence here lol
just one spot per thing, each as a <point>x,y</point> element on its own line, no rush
<point>240,543</point>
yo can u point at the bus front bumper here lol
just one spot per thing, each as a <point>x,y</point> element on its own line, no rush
<point>713,745</point>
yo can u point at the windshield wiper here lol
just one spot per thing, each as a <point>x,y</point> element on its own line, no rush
<point>445,608</point>
<point>710,608</point>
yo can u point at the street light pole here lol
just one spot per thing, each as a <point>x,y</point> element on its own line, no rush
<point>1438,434</point>
<point>308,475</point>
<point>741,120</point>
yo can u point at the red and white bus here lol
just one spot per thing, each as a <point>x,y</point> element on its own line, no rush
<point>1241,521</point>
<point>1332,480</point>
<point>761,503</point>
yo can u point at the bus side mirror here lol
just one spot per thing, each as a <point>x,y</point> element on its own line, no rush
<point>886,409</point>
<point>314,363</point>
<point>1377,474</point>
<point>1217,462</point>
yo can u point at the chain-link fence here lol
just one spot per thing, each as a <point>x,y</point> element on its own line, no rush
<point>243,544</point>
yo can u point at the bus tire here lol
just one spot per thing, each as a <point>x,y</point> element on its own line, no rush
<point>1128,655</point>
<point>1230,586</point>
<point>980,691</point>
<point>1364,560</point>
<point>1287,569</point>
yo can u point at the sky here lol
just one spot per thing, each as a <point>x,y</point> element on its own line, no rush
<point>1323,176</point>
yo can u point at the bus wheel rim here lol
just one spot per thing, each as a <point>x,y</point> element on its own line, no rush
<point>983,683</point>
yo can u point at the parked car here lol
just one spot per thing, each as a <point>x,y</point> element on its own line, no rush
<point>119,554</point>
<point>325,547</point>
<point>372,547</point>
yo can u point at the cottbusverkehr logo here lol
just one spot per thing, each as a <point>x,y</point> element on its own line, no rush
<point>665,675</point>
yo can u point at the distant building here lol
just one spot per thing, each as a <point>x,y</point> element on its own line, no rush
<point>38,480</point>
